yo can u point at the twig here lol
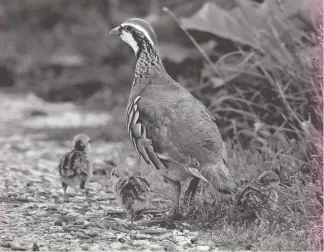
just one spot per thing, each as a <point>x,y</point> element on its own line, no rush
<point>16,200</point>
<point>201,50</point>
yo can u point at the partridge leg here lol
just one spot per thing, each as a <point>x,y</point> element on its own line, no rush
<point>176,201</point>
<point>66,197</point>
<point>191,191</point>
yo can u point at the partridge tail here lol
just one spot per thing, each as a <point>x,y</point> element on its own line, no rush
<point>218,175</point>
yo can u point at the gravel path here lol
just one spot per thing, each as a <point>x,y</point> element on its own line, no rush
<point>32,214</point>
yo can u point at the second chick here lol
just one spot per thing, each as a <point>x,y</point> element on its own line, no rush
<point>132,192</point>
<point>75,167</point>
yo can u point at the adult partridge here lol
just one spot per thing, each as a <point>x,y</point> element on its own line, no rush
<point>75,167</point>
<point>170,128</point>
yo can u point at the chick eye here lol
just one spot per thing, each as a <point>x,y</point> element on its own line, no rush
<point>128,28</point>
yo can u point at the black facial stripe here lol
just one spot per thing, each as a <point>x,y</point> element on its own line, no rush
<point>79,145</point>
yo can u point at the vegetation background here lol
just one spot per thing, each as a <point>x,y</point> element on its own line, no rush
<point>257,65</point>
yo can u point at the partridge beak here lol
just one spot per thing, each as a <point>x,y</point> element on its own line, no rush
<point>116,31</point>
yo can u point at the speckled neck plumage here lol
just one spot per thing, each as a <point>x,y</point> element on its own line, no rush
<point>147,62</point>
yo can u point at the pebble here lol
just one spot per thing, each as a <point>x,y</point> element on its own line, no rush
<point>12,194</point>
<point>55,229</point>
<point>92,233</point>
<point>88,224</point>
<point>85,247</point>
<point>79,221</point>
<point>17,246</point>
<point>5,244</point>
<point>163,237</point>
<point>169,247</point>
<point>35,247</point>
<point>30,189</point>
<point>121,239</point>
<point>141,243</point>
<point>202,248</point>
<point>81,235</point>
<point>140,236</point>
<point>58,223</point>
<point>29,183</point>
<point>194,240</point>
<point>72,215</point>
<point>155,247</point>
<point>180,239</point>
<point>117,245</point>
<point>95,247</point>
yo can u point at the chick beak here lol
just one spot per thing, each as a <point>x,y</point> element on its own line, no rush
<point>116,31</point>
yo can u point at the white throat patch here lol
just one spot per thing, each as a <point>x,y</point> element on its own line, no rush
<point>128,38</point>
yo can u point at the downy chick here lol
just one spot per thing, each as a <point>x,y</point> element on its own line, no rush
<point>254,201</point>
<point>132,192</point>
<point>75,167</point>
<point>269,181</point>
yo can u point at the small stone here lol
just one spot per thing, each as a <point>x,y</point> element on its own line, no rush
<point>56,229</point>
<point>202,248</point>
<point>121,239</point>
<point>142,243</point>
<point>79,221</point>
<point>194,240</point>
<point>30,183</point>
<point>30,189</point>
<point>179,238</point>
<point>169,247</point>
<point>92,233</point>
<point>72,215</point>
<point>95,247</point>
<point>85,247</point>
<point>58,222</point>
<point>117,245</point>
<point>140,236</point>
<point>81,235</point>
<point>155,247</point>
<point>15,245</point>
<point>163,236</point>
<point>88,224</point>
<point>5,245</point>
<point>12,194</point>
<point>35,247</point>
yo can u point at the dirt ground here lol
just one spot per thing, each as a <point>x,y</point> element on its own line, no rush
<point>33,215</point>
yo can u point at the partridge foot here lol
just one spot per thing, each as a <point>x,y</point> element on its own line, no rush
<point>191,191</point>
<point>66,198</point>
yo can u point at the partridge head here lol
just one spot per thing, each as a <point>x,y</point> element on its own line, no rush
<point>75,167</point>
<point>269,179</point>
<point>136,32</point>
<point>256,200</point>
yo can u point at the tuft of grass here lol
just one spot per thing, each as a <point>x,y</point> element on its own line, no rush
<point>294,225</point>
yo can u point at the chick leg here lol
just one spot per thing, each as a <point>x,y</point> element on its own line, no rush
<point>66,197</point>
<point>82,185</point>
<point>86,189</point>
<point>191,191</point>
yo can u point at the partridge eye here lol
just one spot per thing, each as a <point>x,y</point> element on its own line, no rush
<point>128,28</point>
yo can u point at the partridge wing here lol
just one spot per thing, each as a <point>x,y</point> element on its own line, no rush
<point>74,163</point>
<point>149,129</point>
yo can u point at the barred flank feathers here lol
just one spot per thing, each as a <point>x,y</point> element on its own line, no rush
<point>218,176</point>
<point>72,164</point>
<point>132,188</point>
